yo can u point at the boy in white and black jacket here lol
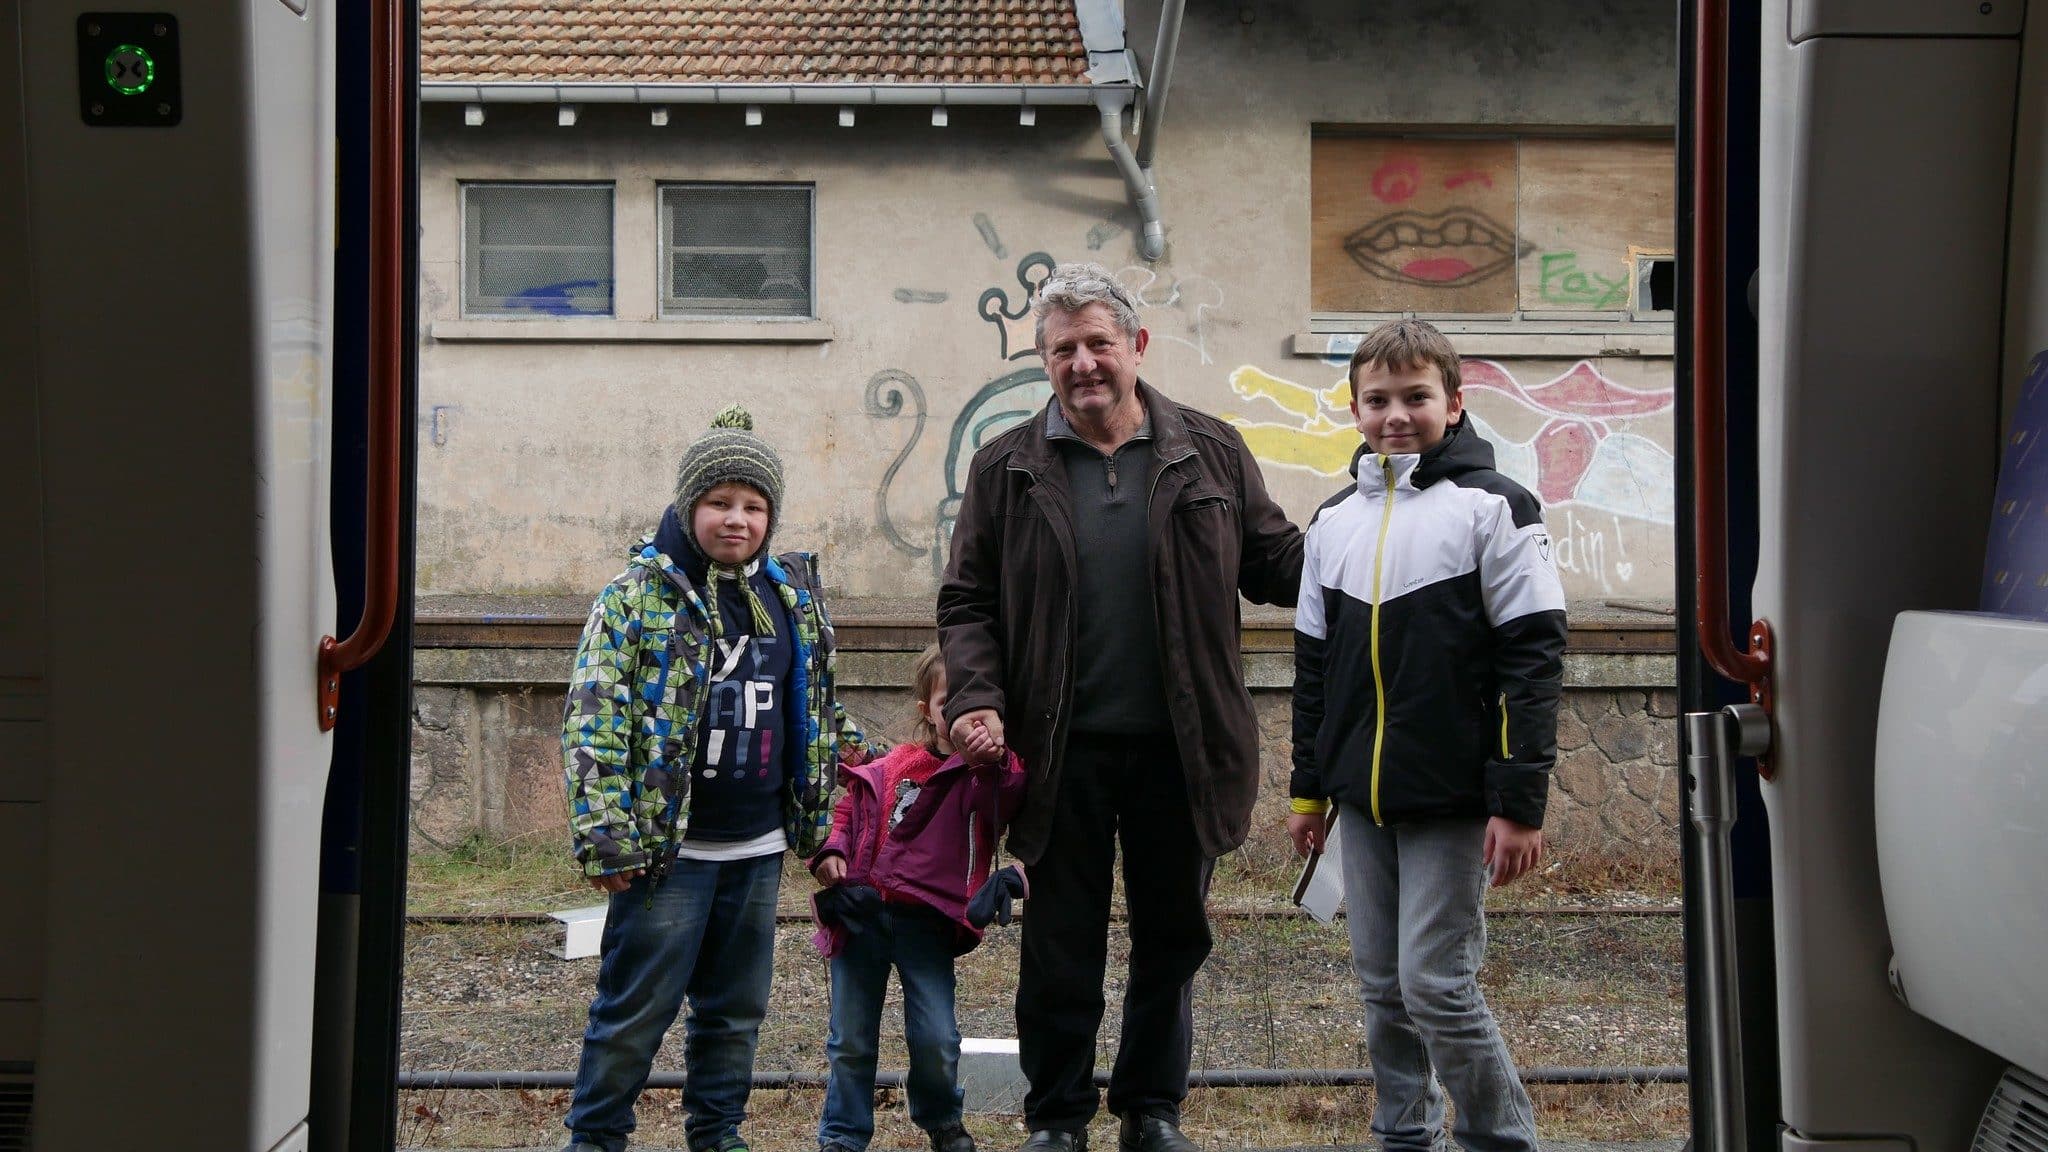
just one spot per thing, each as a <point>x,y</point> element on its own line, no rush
<point>1429,659</point>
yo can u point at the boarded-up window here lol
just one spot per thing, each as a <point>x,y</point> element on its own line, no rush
<point>1405,225</point>
<point>1485,227</point>
<point>1589,208</point>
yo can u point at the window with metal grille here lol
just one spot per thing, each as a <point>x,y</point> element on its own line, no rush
<point>736,250</point>
<point>536,249</point>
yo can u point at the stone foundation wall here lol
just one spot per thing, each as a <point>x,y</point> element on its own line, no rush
<point>486,760</point>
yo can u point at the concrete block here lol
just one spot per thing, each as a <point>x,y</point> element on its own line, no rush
<point>582,930</point>
<point>990,1075</point>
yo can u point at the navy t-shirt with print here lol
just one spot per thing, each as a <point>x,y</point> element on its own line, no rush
<point>737,780</point>
<point>737,783</point>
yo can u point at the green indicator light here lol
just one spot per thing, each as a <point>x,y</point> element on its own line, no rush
<point>130,70</point>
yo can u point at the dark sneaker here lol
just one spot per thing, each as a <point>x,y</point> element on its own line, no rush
<point>1153,1134</point>
<point>1056,1140</point>
<point>951,1138</point>
<point>732,1142</point>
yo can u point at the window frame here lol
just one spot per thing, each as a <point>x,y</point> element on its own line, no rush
<point>468,311</point>
<point>664,256</point>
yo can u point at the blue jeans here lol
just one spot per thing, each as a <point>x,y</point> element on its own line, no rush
<point>919,943</point>
<point>1416,896</point>
<point>708,936</point>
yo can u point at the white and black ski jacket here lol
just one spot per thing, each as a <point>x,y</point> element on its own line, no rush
<point>1429,641</point>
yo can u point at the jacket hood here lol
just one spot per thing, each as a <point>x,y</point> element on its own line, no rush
<point>874,771</point>
<point>672,540</point>
<point>1461,450</point>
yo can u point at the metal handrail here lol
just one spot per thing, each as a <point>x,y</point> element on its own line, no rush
<point>1750,667</point>
<point>387,358</point>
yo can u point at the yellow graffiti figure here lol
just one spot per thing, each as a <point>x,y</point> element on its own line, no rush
<point>1324,438</point>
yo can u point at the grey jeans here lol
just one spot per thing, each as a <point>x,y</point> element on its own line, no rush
<point>1416,897</point>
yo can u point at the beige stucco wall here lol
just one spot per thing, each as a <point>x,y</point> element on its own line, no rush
<point>539,460</point>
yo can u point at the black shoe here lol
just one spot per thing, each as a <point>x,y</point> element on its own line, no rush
<point>1056,1140</point>
<point>1153,1134</point>
<point>951,1138</point>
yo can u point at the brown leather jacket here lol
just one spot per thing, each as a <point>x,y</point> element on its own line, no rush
<point>1006,612</point>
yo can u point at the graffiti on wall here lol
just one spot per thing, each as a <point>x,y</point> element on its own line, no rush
<point>1178,309</point>
<point>998,405</point>
<point>1560,280</point>
<point>1483,226</point>
<point>565,298</point>
<point>987,228</point>
<point>1018,341</point>
<point>1591,471</point>
<point>886,397</point>
<point>1430,224</point>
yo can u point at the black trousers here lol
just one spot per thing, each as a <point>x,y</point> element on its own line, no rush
<point>1111,789</point>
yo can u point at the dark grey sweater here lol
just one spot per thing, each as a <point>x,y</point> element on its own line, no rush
<point>1119,687</point>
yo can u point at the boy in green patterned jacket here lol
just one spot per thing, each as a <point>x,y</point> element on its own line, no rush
<point>701,741</point>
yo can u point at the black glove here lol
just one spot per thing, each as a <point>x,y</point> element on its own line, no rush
<point>993,902</point>
<point>852,907</point>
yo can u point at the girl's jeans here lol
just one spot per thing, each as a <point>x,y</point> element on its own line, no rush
<point>919,944</point>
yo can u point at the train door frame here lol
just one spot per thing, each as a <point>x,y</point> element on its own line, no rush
<point>360,975</point>
<point>1699,688</point>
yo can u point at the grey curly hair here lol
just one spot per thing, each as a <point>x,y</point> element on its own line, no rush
<point>1072,287</point>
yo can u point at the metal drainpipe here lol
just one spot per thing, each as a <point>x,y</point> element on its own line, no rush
<point>1160,77</point>
<point>1152,236</point>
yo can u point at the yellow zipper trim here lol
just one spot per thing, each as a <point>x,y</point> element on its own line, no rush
<point>1504,753</point>
<point>1379,683</point>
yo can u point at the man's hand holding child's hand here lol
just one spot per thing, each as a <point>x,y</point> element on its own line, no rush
<point>979,736</point>
<point>1511,849</point>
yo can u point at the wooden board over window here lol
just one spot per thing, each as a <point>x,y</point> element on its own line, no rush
<point>1485,227</point>
<point>1588,208</point>
<point>1402,225</point>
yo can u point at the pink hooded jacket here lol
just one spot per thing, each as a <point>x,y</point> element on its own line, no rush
<point>939,850</point>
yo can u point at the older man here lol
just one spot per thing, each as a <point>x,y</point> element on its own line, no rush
<point>1089,617</point>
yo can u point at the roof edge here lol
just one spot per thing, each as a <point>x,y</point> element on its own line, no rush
<point>560,92</point>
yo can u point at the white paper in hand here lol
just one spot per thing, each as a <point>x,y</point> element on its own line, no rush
<point>1320,890</point>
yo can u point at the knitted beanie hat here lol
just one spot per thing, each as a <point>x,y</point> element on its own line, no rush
<point>730,451</point>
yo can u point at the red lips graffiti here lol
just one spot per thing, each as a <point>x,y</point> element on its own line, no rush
<point>1447,249</point>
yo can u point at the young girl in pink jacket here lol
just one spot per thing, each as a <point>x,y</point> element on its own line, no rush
<point>913,838</point>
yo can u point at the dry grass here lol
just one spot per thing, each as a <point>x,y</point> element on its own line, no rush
<point>483,875</point>
<point>532,874</point>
